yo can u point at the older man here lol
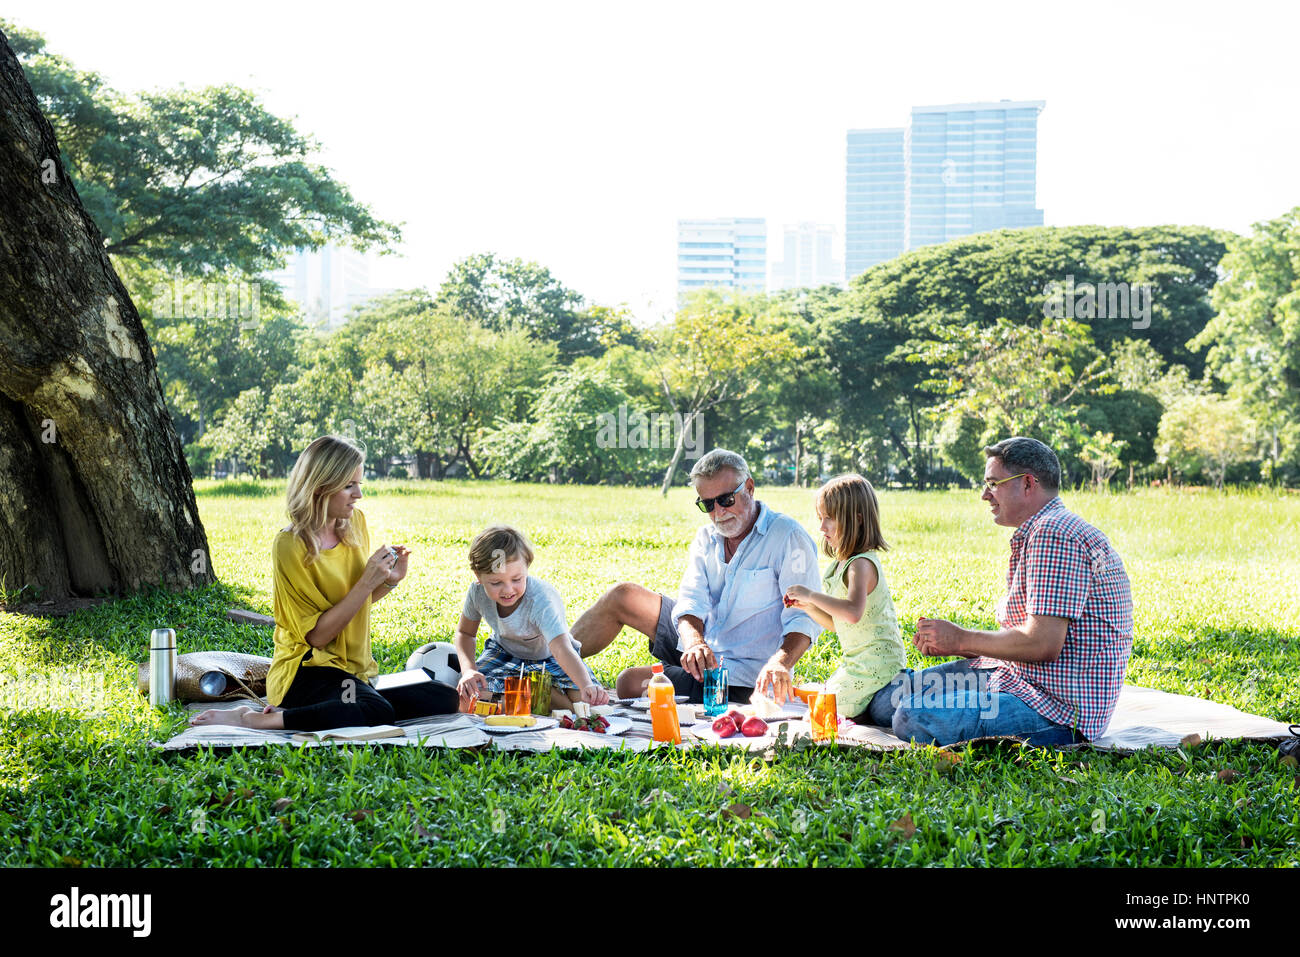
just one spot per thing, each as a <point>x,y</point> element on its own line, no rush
<point>729,605</point>
<point>1052,671</point>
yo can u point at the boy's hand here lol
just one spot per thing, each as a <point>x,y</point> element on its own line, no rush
<point>594,694</point>
<point>472,684</point>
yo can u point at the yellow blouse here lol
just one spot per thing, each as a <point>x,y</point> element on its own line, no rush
<point>302,594</point>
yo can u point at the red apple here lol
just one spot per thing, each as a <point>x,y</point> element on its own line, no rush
<point>724,727</point>
<point>754,727</point>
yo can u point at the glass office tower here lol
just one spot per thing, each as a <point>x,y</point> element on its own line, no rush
<point>955,170</point>
<point>874,199</point>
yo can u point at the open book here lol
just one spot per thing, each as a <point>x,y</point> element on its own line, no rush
<point>364,733</point>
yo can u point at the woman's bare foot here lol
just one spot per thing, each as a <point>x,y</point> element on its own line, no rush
<point>267,720</point>
<point>233,716</point>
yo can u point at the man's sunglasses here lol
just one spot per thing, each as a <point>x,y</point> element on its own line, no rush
<point>726,501</point>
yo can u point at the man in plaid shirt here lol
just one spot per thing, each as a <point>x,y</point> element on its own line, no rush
<point>1052,672</point>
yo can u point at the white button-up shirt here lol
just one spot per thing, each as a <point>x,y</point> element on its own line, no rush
<point>740,601</point>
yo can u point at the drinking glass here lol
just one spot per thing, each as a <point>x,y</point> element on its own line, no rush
<point>825,720</point>
<point>715,691</point>
<point>540,688</point>
<point>517,698</point>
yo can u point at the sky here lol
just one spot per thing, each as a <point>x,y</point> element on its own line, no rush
<point>576,134</point>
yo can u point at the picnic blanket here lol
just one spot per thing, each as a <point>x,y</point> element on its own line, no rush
<point>1143,717</point>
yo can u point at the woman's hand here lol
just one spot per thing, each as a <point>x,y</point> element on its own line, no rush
<point>378,568</point>
<point>398,571</point>
<point>594,694</point>
<point>472,684</point>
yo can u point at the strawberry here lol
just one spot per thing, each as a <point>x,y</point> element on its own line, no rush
<point>754,727</point>
<point>724,727</point>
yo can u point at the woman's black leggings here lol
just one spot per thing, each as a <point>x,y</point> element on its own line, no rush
<point>323,698</point>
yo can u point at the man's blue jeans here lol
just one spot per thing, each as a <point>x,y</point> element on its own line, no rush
<point>951,702</point>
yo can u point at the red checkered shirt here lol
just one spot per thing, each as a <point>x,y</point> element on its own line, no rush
<point>1063,567</point>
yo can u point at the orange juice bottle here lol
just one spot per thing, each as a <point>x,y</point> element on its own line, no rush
<point>663,707</point>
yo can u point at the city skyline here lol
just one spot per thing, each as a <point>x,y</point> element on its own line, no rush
<point>570,135</point>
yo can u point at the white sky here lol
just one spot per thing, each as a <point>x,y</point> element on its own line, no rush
<point>576,134</point>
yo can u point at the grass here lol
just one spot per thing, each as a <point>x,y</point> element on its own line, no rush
<point>1217,615</point>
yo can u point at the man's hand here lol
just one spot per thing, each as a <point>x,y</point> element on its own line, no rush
<point>937,638</point>
<point>778,677</point>
<point>594,694</point>
<point>697,658</point>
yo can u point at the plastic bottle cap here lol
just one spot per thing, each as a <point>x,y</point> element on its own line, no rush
<point>656,669</point>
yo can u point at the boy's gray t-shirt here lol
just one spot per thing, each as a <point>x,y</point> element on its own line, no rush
<point>527,631</point>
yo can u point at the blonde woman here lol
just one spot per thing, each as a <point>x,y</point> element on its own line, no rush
<point>322,669</point>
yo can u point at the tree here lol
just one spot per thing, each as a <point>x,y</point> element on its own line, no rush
<point>574,433</point>
<point>498,294</point>
<point>242,433</point>
<point>95,494</point>
<point>1254,340</point>
<point>1101,452</point>
<point>1017,379</point>
<point>716,348</point>
<point>1206,433</point>
<point>200,180</point>
<point>457,380</point>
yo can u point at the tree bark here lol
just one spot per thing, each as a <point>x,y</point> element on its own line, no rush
<point>95,493</point>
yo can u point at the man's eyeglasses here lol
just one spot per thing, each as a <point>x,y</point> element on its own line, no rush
<point>990,484</point>
<point>726,501</point>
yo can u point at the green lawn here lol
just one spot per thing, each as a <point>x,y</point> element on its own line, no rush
<point>1217,612</point>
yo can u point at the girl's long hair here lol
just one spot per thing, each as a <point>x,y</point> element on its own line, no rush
<point>851,501</point>
<point>324,469</point>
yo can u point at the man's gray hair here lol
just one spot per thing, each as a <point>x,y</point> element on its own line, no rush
<point>715,460</point>
<point>1020,454</point>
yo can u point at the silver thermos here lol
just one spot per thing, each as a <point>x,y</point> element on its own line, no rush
<point>162,665</point>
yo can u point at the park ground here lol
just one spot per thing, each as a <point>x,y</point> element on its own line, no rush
<point>1217,615</point>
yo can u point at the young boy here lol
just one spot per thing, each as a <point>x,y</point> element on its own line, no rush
<point>528,625</point>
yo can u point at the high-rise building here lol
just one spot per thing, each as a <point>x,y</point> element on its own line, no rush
<point>965,168</point>
<point>327,283</point>
<point>724,253</point>
<point>971,168</point>
<point>874,198</point>
<point>809,258</point>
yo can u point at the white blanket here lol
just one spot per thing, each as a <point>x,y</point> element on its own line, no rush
<point>1143,717</point>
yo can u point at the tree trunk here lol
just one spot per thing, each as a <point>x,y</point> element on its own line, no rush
<point>798,453</point>
<point>678,449</point>
<point>95,493</point>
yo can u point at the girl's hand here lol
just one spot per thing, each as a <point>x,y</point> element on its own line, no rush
<point>797,596</point>
<point>398,571</point>
<point>472,684</point>
<point>595,694</point>
<point>378,568</point>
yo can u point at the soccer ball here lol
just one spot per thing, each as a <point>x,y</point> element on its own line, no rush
<point>438,657</point>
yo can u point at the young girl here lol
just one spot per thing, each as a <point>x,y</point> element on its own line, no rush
<point>324,586</point>
<point>856,604</point>
<point>528,625</point>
